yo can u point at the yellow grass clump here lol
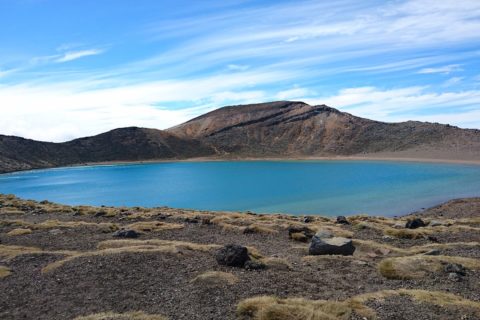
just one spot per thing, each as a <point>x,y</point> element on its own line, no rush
<point>136,315</point>
<point>110,247</point>
<point>256,228</point>
<point>19,232</point>
<point>4,272</point>
<point>365,246</point>
<point>54,224</point>
<point>153,226</point>
<point>215,278</point>
<point>10,211</point>
<point>417,266</point>
<point>273,308</point>
<point>108,244</point>
<point>277,263</point>
<point>9,252</point>
<point>438,298</point>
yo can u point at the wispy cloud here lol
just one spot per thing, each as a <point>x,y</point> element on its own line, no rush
<point>453,81</point>
<point>74,55</point>
<point>360,56</point>
<point>61,111</point>
<point>409,103</point>
<point>444,69</point>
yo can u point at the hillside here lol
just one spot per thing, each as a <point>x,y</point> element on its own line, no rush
<point>125,144</point>
<point>297,129</point>
<point>282,129</point>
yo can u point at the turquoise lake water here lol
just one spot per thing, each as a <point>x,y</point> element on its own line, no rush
<point>298,187</point>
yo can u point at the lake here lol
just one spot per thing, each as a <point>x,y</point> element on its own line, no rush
<point>297,187</point>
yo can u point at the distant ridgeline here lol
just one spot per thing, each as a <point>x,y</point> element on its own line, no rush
<point>282,129</point>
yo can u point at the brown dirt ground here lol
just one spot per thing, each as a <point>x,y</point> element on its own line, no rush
<point>160,282</point>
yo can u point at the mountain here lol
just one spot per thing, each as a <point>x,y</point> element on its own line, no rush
<point>125,144</point>
<point>296,129</point>
<point>282,129</point>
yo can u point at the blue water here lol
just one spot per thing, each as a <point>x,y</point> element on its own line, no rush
<point>298,187</point>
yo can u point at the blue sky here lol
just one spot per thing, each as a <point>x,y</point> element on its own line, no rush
<point>77,68</point>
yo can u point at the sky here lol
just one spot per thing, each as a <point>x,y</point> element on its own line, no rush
<point>81,67</point>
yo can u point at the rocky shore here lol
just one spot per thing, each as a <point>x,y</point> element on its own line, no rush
<point>66,262</point>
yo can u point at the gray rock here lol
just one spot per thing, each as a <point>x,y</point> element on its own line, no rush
<point>232,255</point>
<point>308,219</point>
<point>433,252</point>
<point>126,234</point>
<point>435,223</point>
<point>456,268</point>
<point>399,225</point>
<point>455,277</point>
<point>415,223</point>
<point>55,231</point>
<point>342,220</point>
<point>324,234</point>
<point>335,245</point>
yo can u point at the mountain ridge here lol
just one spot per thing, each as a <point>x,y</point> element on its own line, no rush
<point>280,129</point>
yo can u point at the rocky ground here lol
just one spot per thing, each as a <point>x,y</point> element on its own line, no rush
<point>62,262</point>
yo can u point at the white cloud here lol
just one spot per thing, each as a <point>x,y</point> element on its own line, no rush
<point>296,93</point>
<point>452,81</point>
<point>444,69</point>
<point>410,103</point>
<point>61,111</point>
<point>237,67</point>
<point>74,55</point>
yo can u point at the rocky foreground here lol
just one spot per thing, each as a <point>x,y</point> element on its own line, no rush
<point>63,262</point>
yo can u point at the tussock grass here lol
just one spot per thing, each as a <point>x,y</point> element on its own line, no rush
<point>4,272</point>
<point>133,249</point>
<point>272,308</point>
<point>254,253</point>
<point>299,236</point>
<point>277,263</point>
<point>438,298</point>
<point>228,227</point>
<point>215,278</point>
<point>10,211</point>
<point>137,315</point>
<point>110,247</point>
<point>256,228</point>
<point>9,252</point>
<point>109,244</point>
<point>417,266</point>
<point>19,232</point>
<point>364,246</point>
<point>407,233</point>
<point>153,226</point>
<point>55,224</point>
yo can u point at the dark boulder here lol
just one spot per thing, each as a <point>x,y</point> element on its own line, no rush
<point>342,220</point>
<point>126,234</point>
<point>254,265</point>
<point>456,268</point>
<point>415,223</point>
<point>308,219</point>
<point>335,245</point>
<point>232,255</point>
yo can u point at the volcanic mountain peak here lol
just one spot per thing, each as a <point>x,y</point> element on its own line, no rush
<point>281,129</point>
